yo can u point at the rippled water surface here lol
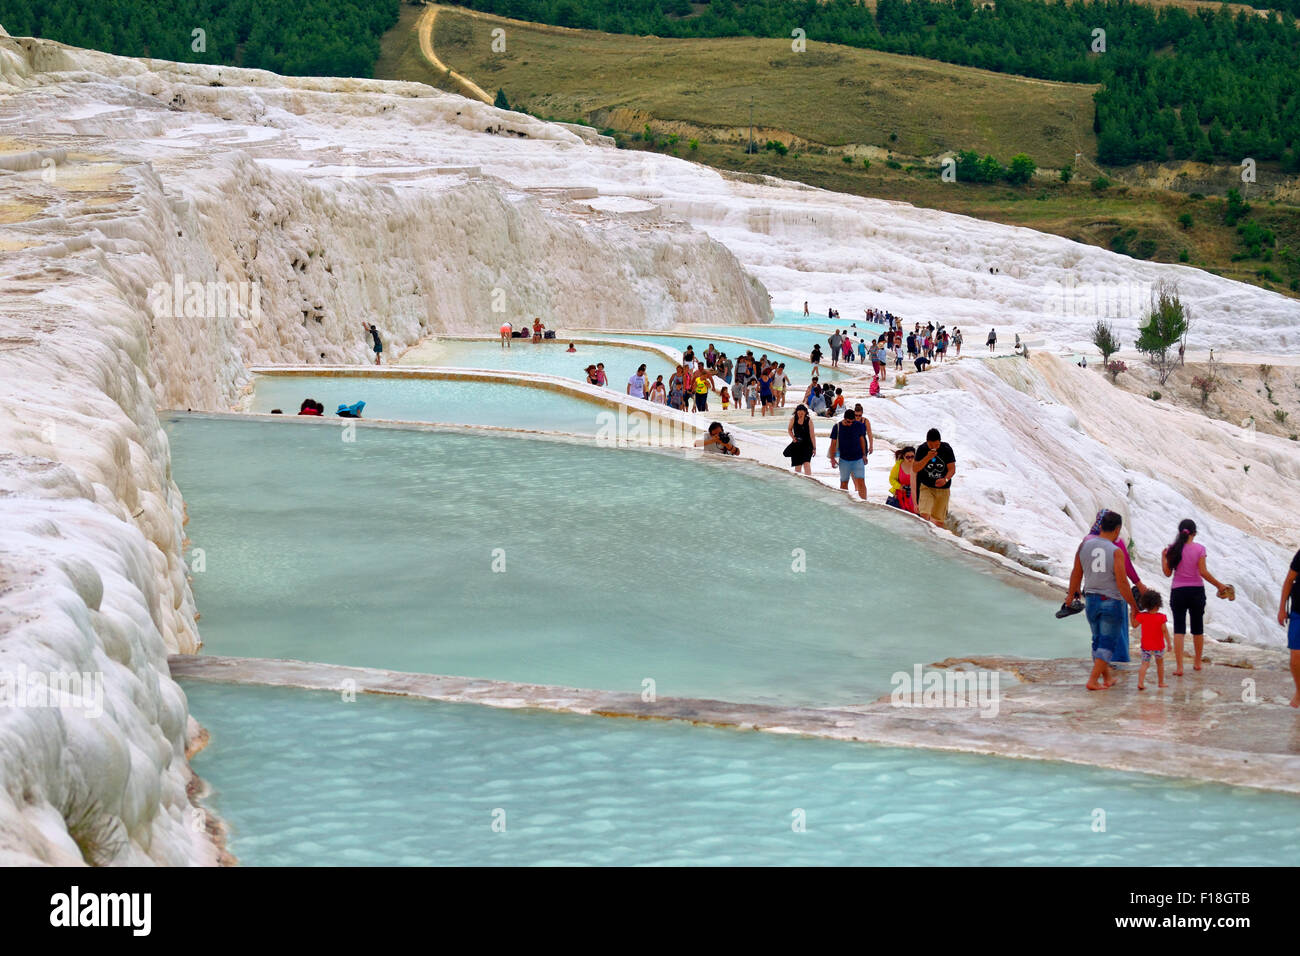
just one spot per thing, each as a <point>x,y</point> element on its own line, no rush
<point>560,563</point>
<point>306,779</point>
<point>432,400</point>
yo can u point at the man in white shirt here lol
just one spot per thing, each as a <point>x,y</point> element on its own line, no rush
<point>636,385</point>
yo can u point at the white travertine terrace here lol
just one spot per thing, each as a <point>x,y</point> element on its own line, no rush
<point>349,200</point>
<point>138,191</point>
<point>1217,737</point>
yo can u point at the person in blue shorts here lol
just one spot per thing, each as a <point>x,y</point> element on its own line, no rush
<point>1288,615</point>
<point>852,439</point>
<point>1103,582</point>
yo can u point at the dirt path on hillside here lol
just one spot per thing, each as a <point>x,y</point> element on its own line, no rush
<point>424,32</point>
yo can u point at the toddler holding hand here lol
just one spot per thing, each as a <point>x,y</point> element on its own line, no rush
<point>1155,635</point>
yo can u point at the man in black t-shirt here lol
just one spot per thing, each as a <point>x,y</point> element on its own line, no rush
<point>1288,615</point>
<point>935,466</point>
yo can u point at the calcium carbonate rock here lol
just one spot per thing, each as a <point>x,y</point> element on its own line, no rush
<point>168,224</point>
<point>178,246</point>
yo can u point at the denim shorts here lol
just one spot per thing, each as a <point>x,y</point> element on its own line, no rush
<point>852,469</point>
<point>1293,633</point>
<point>1108,619</point>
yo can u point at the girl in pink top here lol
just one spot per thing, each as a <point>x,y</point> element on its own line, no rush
<point>1184,560</point>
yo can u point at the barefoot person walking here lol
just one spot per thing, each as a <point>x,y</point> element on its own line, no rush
<point>934,468</point>
<point>850,438</point>
<point>1121,653</point>
<point>1098,574</point>
<point>373,332</point>
<point>637,384</point>
<point>1184,560</point>
<point>1288,613</point>
<point>803,440</point>
<point>1155,636</point>
<point>901,480</point>
<point>703,384</point>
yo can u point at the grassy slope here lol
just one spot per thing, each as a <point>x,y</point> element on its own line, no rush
<point>827,97</point>
<point>399,52</point>
<point>829,94</point>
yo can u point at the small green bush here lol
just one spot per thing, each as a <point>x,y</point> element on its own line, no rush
<point>1020,170</point>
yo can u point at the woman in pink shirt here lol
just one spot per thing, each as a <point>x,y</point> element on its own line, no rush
<point>1184,560</point>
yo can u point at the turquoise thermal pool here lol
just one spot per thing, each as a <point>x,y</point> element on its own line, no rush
<point>799,370</point>
<point>801,340</point>
<point>304,778</point>
<point>796,317</point>
<point>452,401</point>
<point>550,357</point>
<point>712,578</point>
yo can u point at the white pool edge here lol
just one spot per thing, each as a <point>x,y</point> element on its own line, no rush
<point>878,723</point>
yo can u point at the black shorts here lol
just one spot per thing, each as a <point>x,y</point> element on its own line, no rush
<point>1185,601</point>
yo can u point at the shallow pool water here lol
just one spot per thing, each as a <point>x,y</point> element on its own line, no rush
<point>433,400</point>
<point>799,370</point>
<point>796,317</point>
<point>304,778</point>
<point>561,563</point>
<point>550,358</point>
<point>800,340</point>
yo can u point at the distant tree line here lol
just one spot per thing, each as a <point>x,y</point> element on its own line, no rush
<point>302,38</point>
<point>1208,84</point>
